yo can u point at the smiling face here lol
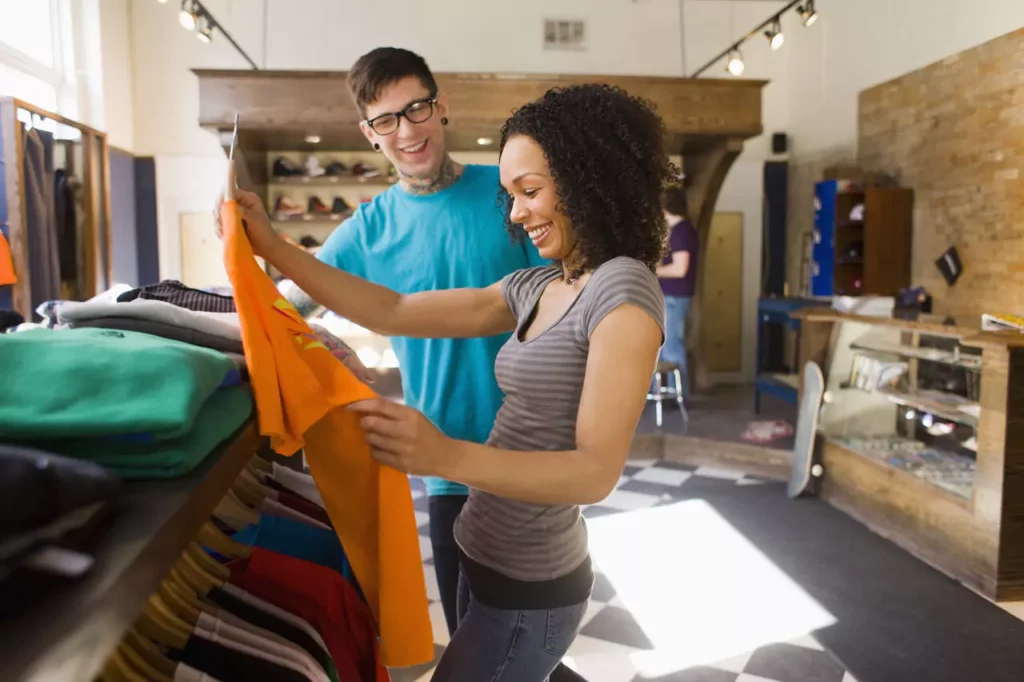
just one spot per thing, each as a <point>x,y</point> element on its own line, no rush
<point>526,176</point>
<point>416,149</point>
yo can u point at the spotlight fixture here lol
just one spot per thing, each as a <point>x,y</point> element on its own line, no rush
<point>735,64</point>
<point>807,13</point>
<point>484,141</point>
<point>204,29</point>
<point>162,2</point>
<point>312,139</point>
<point>775,35</point>
<point>188,17</point>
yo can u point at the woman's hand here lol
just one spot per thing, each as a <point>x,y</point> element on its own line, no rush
<point>256,221</point>
<point>402,438</point>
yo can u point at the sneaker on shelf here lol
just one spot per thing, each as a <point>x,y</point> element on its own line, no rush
<point>313,167</point>
<point>286,207</point>
<point>317,207</point>
<point>283,168</point>
<point>339,205</point>
<point>335,168</point>
<point>361,170</point>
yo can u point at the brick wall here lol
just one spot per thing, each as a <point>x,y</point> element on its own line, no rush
<point>954,133</point>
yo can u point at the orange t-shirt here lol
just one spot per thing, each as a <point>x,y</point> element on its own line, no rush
<point>7,275</point>
<point>300,390</point>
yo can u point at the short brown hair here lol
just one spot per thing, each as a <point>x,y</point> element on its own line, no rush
<point>674,199</point>
<point>381,67</point>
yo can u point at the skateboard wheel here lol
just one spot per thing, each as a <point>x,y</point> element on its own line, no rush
<point>817,470</point>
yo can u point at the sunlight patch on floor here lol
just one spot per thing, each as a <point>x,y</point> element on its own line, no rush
<point>697,587</point>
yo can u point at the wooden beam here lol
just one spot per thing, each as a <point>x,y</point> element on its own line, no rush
<point>708,171</point>
<point>287,105</point>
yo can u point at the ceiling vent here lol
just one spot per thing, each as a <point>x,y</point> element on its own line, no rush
<point>565,34</point>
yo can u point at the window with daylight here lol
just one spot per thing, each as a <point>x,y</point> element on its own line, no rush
<point>37,55</point>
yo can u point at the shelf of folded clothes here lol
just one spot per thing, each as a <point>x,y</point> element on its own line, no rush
<point>69,602</point>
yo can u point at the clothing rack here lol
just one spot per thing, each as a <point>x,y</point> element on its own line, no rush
<point>69,637</point>
<point>95,231</point>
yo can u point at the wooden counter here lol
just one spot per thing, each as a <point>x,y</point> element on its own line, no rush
<point>979,540</point>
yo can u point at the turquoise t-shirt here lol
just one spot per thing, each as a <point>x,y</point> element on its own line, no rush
<point>452,239</point>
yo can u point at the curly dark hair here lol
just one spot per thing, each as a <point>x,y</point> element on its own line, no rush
<point>606,151</point>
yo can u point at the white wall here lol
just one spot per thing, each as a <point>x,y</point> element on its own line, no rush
<point>118,108</point>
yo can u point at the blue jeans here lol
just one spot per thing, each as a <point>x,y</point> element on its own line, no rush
<point>677,308</point>
<point>501,645</point>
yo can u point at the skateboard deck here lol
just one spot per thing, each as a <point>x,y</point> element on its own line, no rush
<point>804,470</point>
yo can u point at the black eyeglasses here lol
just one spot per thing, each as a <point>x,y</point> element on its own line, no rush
<point>417,112</point>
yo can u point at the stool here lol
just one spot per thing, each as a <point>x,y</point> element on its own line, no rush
<point>663,392</point>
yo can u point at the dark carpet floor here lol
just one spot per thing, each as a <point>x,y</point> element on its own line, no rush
<point>898,620</point>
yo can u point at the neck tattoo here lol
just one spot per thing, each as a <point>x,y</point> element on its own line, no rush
<point>572,266</point>
<point>446,176</point>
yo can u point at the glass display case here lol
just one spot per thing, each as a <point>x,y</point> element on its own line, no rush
<point>919,438</point>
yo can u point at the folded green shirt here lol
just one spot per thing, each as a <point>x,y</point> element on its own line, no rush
<point>75,383</point>
<point>220,416</point>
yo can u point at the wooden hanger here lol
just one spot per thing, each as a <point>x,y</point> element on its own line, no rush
<point>260,464</point>
<point>207,563</point>
<point>189,595</point>
<point>178,605</point>
<point>253,482</point>
<point>160,625</point>
<point>222,544</point>
<point>150,652</point>
<point>247,495</point>
<point>116,669</point>
<point>140,664</point>
<point>231,511</point>
<point>194,578</point>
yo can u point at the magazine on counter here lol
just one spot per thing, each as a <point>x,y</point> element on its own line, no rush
<point>1002,323</point>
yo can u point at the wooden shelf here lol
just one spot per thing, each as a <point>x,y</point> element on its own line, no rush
<point>331,181</point>
<point>68,636</point>
<point>944,357</point>
<point>334,218</point>
<point>945,405</point>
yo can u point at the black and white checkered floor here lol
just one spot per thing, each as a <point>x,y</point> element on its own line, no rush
<point>680,595</point>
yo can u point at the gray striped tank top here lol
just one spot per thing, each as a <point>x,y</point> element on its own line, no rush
<point>542,379</point>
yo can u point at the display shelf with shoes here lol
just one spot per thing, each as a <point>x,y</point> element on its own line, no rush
<point>918,433</point>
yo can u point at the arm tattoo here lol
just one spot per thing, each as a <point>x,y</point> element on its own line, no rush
<point>301,301</point>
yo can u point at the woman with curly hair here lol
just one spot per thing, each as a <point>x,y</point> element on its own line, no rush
<point>582,173</point>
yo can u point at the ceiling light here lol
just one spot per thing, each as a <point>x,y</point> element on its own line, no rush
<point>484,141</point>
<point>775,35</point>
<point>162,2</point>
<point>807,13</point>
<point>187,16</point>
<point>312,139</point>
<point>205,29</point>
<point>735,64</point>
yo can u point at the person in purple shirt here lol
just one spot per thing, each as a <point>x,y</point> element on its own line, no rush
<point>678,275</point>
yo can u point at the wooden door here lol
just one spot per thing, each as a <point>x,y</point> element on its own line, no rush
<point>722,293</point>
<point>202,259</point>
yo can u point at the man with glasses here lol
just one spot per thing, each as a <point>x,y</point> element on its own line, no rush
<point>439,227</point>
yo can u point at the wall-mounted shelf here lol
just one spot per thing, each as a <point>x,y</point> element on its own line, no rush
<point>331,181</point>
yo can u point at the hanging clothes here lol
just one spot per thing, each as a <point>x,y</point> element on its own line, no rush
<point>66,228</point>
<point>40,223</point>
<point>300,390</point>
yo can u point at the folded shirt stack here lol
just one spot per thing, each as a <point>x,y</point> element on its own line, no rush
<point>140,405</point>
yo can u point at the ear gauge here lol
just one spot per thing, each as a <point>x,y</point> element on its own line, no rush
<point>376,147</point>
<point>444,120</point>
